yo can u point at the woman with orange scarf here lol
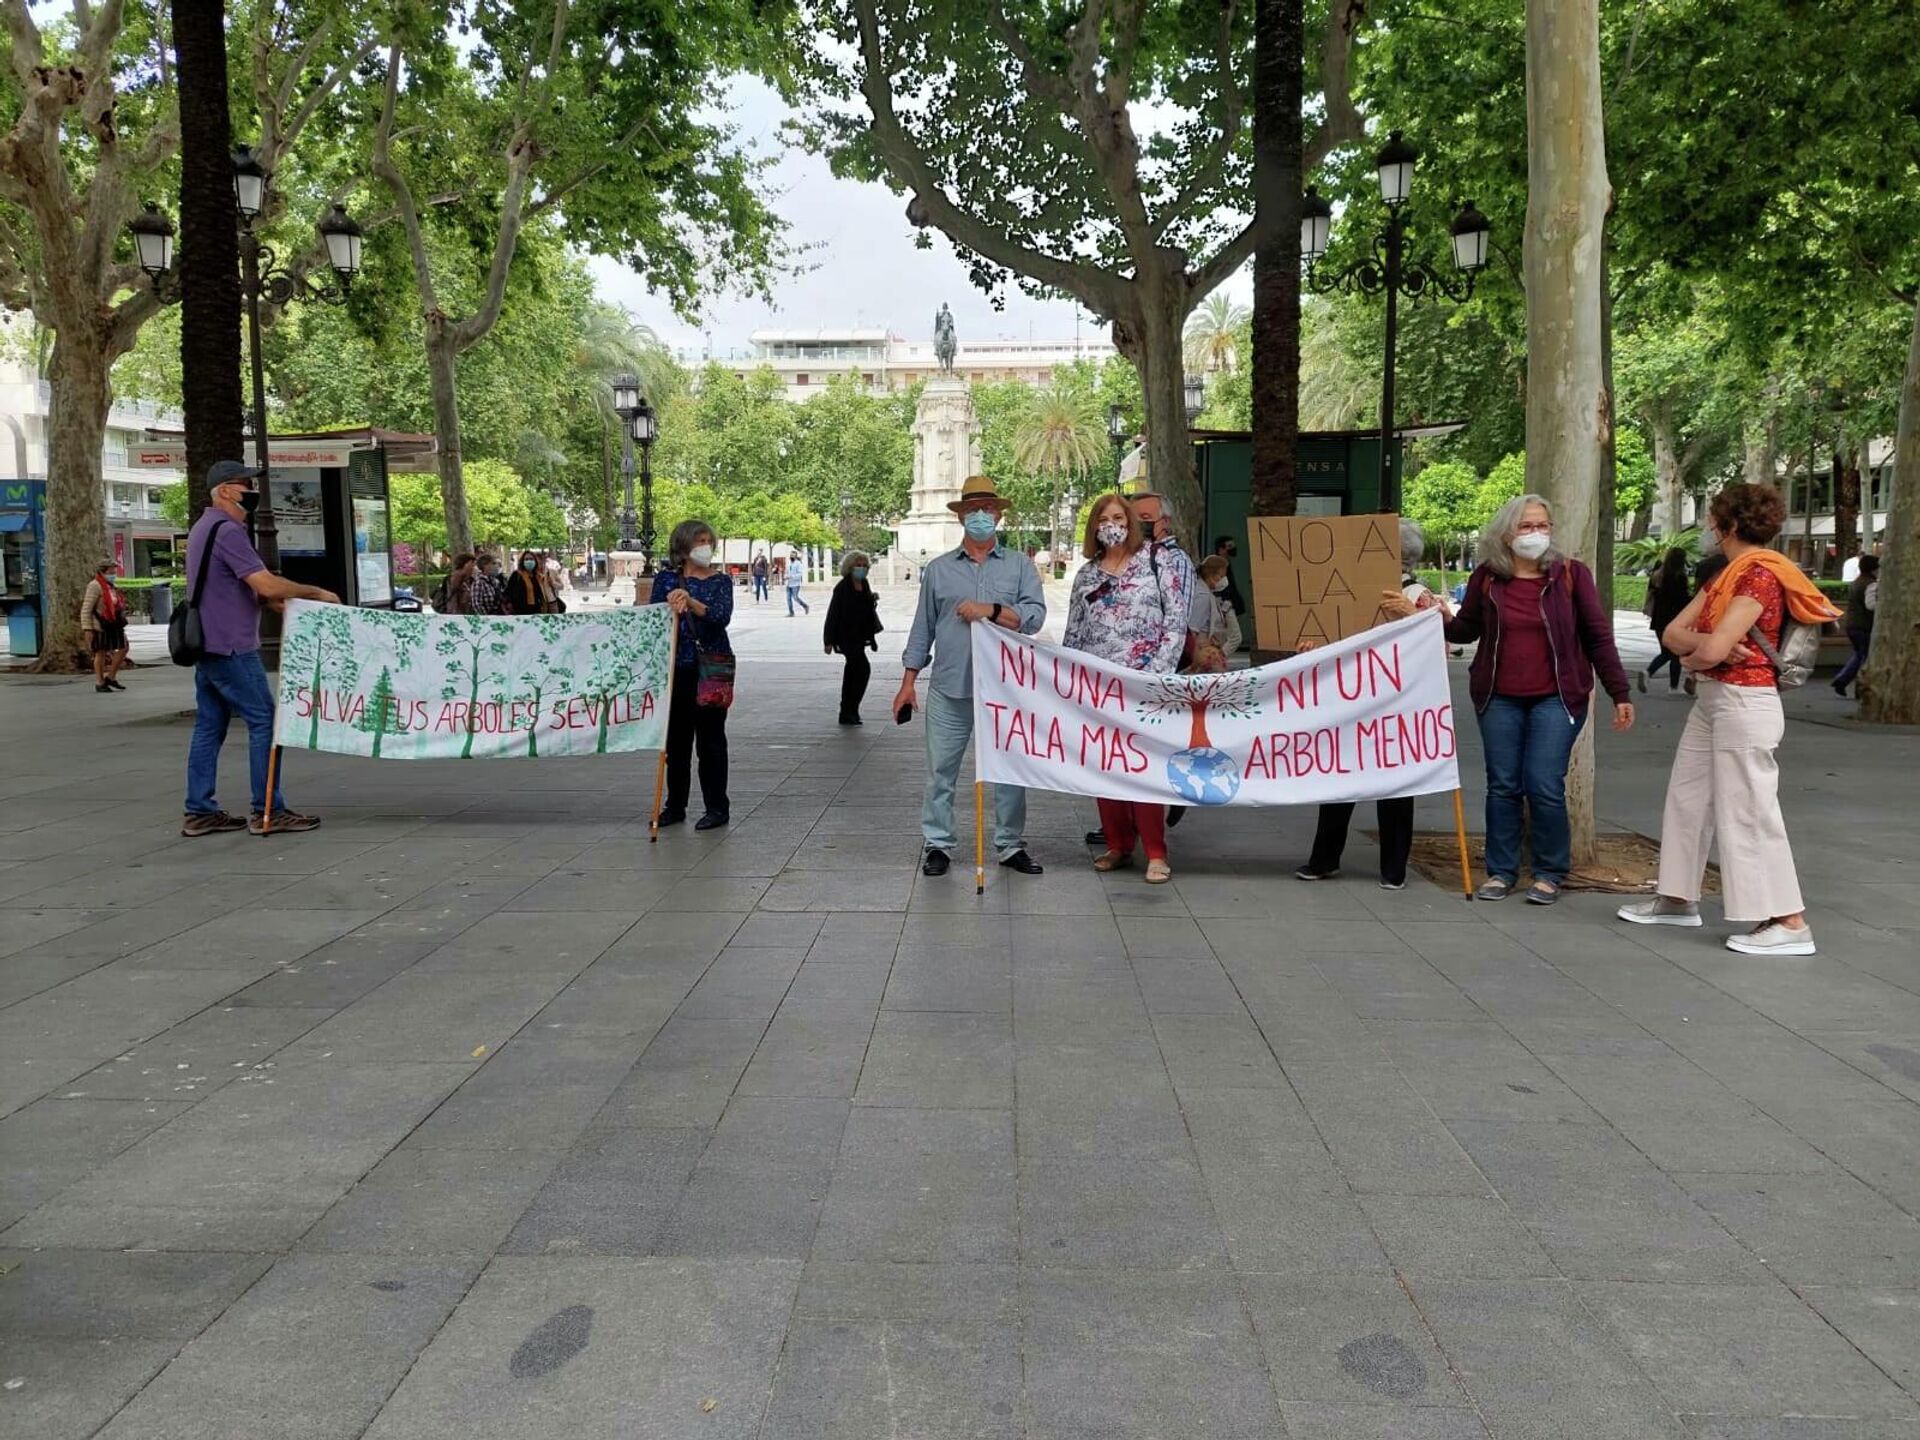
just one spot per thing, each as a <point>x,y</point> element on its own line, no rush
<point>1725,783</point>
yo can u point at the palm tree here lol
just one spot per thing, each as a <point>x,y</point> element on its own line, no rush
<point>1337,390</point>
<point>609,343</point>
<point>1213,334</point>
<point>1061,435</point>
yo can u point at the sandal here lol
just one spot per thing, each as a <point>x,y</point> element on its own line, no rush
<point>1493,888</point>
<point>1112,860</point>
<point>1158,872</point>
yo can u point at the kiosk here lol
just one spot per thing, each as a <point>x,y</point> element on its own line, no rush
<point>23,548</point>
<point>330,504</point>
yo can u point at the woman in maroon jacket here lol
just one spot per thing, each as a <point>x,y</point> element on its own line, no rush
<point>1542,634</point>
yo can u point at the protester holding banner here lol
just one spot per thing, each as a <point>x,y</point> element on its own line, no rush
<point>1725,783</point>
<point>1542,631</point>
<point>1394,815</point>
<point>1125,613</point>
<point>227,584</point>
<point>981,581</point>
<point>853,625</point>
<point>702,598</point>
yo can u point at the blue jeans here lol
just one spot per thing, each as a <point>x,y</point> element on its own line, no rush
<point>759,587</point>
<point>949,728</point>
<point>1861,639</point>
<point>226,686</point>
<point>793,599</point>
<point>1528,745</point>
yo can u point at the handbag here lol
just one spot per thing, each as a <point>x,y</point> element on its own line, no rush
<point>714,670</point>
<point>186,639</point>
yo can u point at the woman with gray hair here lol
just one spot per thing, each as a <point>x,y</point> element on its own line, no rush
<point>701,598</point>
<point>1395,816</point>
<point>853,623</point>
<point>1542,632</point>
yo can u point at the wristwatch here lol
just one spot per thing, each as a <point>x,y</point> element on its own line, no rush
<point>995,617</point>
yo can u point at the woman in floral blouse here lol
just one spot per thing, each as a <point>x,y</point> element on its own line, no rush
<point>1129,608</point>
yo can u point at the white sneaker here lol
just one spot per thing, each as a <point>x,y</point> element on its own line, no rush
<point>1774,940</point>
<point>1661,911</point>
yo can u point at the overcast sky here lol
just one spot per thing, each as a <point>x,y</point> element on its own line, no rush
<point>865,269</point>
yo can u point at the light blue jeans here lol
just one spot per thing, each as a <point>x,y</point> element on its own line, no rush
<point>949,728</point>
<point>225,686</point>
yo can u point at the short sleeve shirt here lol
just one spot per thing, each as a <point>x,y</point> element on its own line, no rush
<point>229,610</point>
<point>1758,583</point>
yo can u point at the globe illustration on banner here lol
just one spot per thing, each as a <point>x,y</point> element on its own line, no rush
<point>1203,775</point>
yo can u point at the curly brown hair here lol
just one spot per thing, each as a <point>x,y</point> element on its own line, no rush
<point>1754,513</point>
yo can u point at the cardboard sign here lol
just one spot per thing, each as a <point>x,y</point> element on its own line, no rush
<point>1319,578</point>
<point>1359,719</point>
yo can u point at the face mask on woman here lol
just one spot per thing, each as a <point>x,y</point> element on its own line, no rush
<point>980,524</point>
<point>1111,533</point>
<point>1219,587</point>
<point>1532,545</point>
<point>1710,541</point>
<point>859,572</point>
<point>529,565</point>
<point>701,554</point>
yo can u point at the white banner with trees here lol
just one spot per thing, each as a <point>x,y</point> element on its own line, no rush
<point>473,687</point>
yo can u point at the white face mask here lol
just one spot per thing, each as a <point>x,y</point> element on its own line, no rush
<point>1219,587</point>
<point>1111,532</point>
<point>1710,541</point>
<point>1532,545</point>
<point>701,554</point>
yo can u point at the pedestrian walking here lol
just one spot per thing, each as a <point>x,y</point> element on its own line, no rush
<point>103,620</point>
<point>529,591</point>
<point>796,577</point>
<point>853,625</point>
<point>981,581</point>
<point>1126,614</point>
<point>228,583</point>
<point>760,568</point>
<point>1725,783</point>
<point>701,598</point>
<point>1394,815</point>
<point>1863,598</point>
<point>1667,596</point>
<point>1542,634</point>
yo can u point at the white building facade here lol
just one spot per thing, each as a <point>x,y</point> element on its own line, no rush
<point>805,360</point>
<point>135,525</point>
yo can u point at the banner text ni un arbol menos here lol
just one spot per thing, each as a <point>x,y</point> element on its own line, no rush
<point>473,687</point>
<point>1363,718</point>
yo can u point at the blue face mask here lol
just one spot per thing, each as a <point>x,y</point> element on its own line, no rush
<point>859,572</point>
<point>980,524</point>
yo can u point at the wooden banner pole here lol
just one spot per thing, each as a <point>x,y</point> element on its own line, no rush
<point>1460,833</point>
<point>273,772</point>
<point>979,839</point>
<point>660,772</point>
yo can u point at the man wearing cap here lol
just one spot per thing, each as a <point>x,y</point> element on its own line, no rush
<point>229,679</point>
<point>983,582</point>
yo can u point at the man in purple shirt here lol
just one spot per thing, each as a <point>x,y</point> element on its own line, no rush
<point>229,679</point>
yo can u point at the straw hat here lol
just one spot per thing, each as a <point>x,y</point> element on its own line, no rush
<point>975,488</point>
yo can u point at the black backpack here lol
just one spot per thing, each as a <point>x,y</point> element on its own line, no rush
<point>186,642</point>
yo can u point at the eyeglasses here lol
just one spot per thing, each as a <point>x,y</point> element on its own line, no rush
<point>1534,527</point>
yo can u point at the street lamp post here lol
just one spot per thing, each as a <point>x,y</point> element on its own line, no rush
<point>626,404</point>
<point>1117,436</point>
<point>262,278</point>
<point>1196,397</point>
<point>1387,270</point>
<point>645,428</point>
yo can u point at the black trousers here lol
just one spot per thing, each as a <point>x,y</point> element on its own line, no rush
<point>1396,837</point>
<point>689,723</point>
<point>853,682</point>
<point>1668,658</point>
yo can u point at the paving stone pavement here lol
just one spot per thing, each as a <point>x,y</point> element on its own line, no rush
<point>472,1114</point>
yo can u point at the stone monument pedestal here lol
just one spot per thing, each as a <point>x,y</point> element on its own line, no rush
<point>946,450</point>
<point>623,568</point>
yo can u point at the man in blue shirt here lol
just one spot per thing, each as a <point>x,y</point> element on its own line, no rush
<point>981,582</point>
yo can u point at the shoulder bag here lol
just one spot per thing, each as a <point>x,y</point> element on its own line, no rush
<point>186,640</point>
